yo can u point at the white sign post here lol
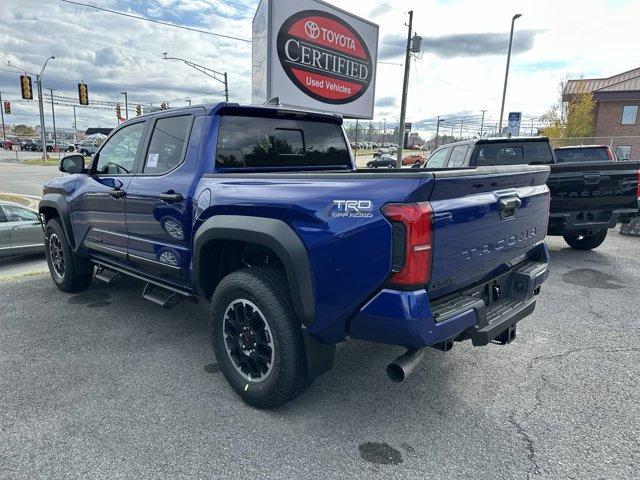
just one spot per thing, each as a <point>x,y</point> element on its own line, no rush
<point>314,56</point>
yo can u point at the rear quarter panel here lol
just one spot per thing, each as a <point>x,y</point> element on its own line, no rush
<point>350,256</point>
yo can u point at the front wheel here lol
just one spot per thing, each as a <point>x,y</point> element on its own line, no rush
<point>257,338</point>
<point>69,272</point>
<point>585,242</point>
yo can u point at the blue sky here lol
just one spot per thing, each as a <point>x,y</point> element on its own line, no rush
<point>460,72</point>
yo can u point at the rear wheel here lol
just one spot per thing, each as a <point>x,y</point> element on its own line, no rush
<point>585,242</point>
<point>257,338</point>
<point>69,272</point>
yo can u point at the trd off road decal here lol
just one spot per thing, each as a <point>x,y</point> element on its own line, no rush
<point>324,57</point>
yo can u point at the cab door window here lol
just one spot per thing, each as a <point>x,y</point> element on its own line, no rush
<point>437,159</point>
<point>167,145</point>
<point>117,155</point>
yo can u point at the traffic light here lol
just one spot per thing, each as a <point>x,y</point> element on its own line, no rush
<point>118,111</point>
<point>138,110</point>
<point>83,94</point>
<point>164,106</point>
<point>7,108</point>
<point>25,87</point>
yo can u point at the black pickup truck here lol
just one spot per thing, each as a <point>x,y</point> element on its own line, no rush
<point>587,196</point>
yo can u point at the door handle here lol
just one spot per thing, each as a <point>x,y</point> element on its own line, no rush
<point>118,193</point>
<point>171,197</point>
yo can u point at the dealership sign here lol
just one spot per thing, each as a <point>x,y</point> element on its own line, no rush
<point>311,55</point>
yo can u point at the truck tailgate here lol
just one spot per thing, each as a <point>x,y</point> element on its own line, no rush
<point>604,185</point>
<point>486,220</point>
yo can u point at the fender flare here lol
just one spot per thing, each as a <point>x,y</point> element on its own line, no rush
<point>58,202</point>
<point>272,233</point>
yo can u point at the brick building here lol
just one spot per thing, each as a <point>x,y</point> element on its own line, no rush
<point>616,114</point>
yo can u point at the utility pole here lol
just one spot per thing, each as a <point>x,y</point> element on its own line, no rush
<point>4,136</point>
<point>384,130</point>
<point>461,124</point>
<point>506,73</point>
<point>531,132</point>
<point>126,105</point>
<point>206,71</point>
<point>438,131</point>
<point>482,123</point>
<point>405,89</point>
<point>53,115</point>
<point>356,140</point>
<point>75,124</point>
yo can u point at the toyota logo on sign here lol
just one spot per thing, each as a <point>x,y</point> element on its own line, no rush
<point>324,57</point>
<point>311,29</point>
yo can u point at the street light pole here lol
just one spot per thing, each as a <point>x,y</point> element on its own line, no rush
<point>53,116</point>
<point>482,123</point>
<point>506,73</point>
<point>39,79</point>
<point>126,105</point>
<point>4,136</point>
<point>405,88</point>
<point>205,70</point>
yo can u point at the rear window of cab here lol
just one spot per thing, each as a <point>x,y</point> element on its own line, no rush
<point>265,143</point>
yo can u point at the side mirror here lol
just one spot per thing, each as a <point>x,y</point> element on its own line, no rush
<point>72,164</point>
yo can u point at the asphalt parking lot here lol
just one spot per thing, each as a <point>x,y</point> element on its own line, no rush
<point>102,384</point>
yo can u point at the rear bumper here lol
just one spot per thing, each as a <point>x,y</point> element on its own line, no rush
<point>585,220</point>
<point>408,318</point>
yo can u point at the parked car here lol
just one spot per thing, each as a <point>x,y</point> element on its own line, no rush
<point>209,202</point>
<point>585,153</point>
<point>413,159</point>
<point>38,145</point>
<point>66,146</point>
<point>30,146</point>
<point>20,230</point>
<point>87,149</point>
<point>385,160</point>
<point>590,190</point>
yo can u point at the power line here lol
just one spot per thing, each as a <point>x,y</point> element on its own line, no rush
<point>159,22</point>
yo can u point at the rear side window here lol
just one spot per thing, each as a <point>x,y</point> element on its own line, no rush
<point>581,154</point>
<point>437,159</point>
<point>458,155</point>
<point>512,153</point>
<point>254,142</point>
<point>167,145</point>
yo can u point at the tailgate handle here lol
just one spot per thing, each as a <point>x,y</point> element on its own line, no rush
<point>508,207</point>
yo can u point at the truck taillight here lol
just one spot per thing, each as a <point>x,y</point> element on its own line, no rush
<point>413,241</point>
<point>609,153</point>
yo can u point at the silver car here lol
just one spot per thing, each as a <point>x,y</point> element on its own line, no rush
<point>20,230</point>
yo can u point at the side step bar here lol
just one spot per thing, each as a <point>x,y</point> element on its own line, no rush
<point>106,275</point>
<point>164,295</point>
<point>160,296</point>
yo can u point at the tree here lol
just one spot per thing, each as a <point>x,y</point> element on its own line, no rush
<point>23,131</point>
<point>579,121</point>
<point>580,114</point>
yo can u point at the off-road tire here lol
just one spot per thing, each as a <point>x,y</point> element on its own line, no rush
<point>77,272</point>
<point>585,242</point>
<point>267,289</point>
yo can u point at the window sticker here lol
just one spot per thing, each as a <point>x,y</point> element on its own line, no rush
<point>152,160</point>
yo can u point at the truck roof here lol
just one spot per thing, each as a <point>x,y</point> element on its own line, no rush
<point>253,110</point>
<point>484,141</point>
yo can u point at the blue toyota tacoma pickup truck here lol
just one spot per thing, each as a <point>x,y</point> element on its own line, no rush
<point>261,212</point>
